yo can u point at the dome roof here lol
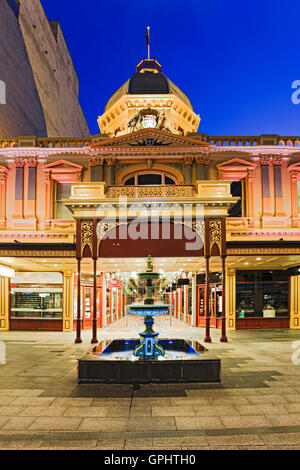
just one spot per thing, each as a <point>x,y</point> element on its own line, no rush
<point>148,80</point>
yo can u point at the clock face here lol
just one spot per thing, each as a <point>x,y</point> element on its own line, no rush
<point>149,121</point>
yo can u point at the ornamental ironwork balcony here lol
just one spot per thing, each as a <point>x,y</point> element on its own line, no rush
<point>151,191</point>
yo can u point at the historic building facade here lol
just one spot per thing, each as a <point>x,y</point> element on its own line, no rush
<point>66,206</point>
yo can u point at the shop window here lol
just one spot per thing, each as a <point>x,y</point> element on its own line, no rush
<point>63,191</point>
<point>36,296</point>
<point>262,294</point>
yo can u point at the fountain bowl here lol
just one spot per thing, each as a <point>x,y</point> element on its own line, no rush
<point>114,362</point>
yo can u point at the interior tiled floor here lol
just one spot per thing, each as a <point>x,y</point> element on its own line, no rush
<point>256,405</point>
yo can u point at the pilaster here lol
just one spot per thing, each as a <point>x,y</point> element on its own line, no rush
<point>231,299</point>
<point>294,302</point>
<point>4,303</point>
<point>68,301</point>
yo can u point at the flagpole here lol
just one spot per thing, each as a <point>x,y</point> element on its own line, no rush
<point>148,29</point>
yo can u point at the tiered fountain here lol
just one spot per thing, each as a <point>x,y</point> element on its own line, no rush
<point>149,347</point>
<point>148,359</point>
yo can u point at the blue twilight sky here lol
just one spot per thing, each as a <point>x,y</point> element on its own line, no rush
<point>236,60</point>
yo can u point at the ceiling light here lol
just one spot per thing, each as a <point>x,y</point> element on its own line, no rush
<point>258,259</point>
<point>246,263</point>
<point>6,272</point>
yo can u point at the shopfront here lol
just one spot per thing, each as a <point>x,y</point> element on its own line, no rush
<point>262,299</point>
<point>215,300</point>
<point>36,301</point>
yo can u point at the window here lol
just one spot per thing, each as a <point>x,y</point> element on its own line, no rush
<point>36,295</point>
<point>237,191</point>
<point>262,294</point>
<point>146,179</point>
<point>63,191</point>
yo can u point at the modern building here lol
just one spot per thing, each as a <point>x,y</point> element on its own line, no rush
<point>78,217</point>
<point>41,84</point>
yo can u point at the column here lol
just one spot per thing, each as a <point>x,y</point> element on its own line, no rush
<point>78,324</point>
<point>30,188</point>
<point>294,302</point>
<point>207,338</point>
<point>194,315</point>
<point>68,301</point>
<point>231,299</point>
<point>94,338</point>
<point>223,338</point>
<point>104,301</point>
<point>111,170</point>
<point>96,165</point>
<point>4,303</point>
<point>294,194</point>
<point>19,189</point>
<point>3,177</point>
<point>188,170</point>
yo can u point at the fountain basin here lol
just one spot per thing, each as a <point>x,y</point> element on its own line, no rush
<point>114,362</point>
<point>144,309</point>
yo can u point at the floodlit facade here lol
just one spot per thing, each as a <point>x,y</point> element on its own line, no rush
<point>78,217</point>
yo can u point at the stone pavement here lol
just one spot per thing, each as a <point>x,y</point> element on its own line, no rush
<point>256,406</point>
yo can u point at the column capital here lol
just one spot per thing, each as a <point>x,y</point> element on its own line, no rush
<point>203,161</point>
<point>188,161</point>
<point>96,161</point>
<point>32,162</point>
<point>110,161</point>
<point>20,162</point>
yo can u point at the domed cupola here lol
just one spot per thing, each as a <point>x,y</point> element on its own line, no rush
<point>148,99</point>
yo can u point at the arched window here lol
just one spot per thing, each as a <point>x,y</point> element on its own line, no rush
<point>145,178</point>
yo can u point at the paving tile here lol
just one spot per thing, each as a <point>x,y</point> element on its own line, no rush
<point>241,439</point>
<point>116,412</point>
<point>33,401</point>
<point>260,399</point>
<point>55,424</point>
<point>19,423</point>
<point>86,411</point>
<point>72,402</point>
<point>172,411</point>
<point>293,407</point>
<point>10,410</point>
<point>103,424</point>
<point>70,444</point>
<point>215,410</point>
<point>4,400</point>
<point>189,401</point>
<point>198,422</point>
<point>43,411</point>
<point>19,392</point>
<point>281,438</point>
<point>111,443</point>
<point>110,402</point>
<point>181,441</point>
<point>150,424</point>
<point>19,444</point>
<point>261,409</point>
<point>245,421</point>
<point>141,412</point>
<point>151,402</point>
<point>285,420</point>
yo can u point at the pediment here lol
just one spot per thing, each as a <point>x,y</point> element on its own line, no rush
<point>62,164</point>
<point>236,163</point>
<point>150,137</point>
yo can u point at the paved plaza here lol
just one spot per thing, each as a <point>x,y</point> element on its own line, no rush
<point>256,406</point>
